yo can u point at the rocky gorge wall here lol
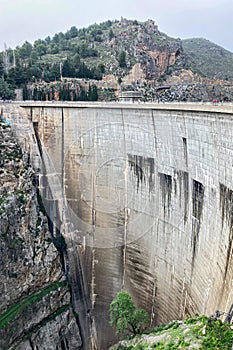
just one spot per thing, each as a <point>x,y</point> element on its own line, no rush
<point>35,304</point>
<point>143,196</point>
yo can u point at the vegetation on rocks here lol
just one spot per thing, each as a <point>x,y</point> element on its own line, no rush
<point>208,59</point>
<point>82,63</point>
<point>35,297</point>
<point>200,332</point>
<point>9,315</point>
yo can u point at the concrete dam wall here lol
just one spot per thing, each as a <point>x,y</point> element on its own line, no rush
<point>143,195</point>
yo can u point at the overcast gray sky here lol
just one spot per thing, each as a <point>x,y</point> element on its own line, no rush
<point>22,20</point>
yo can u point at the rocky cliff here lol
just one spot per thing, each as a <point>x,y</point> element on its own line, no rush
<point>35,304</point>
<point>144,45</point>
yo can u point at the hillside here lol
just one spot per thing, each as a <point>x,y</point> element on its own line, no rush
<point>97,62</point>
<point>109,48</point>
<point>194,333</point>
<point>208,59</point>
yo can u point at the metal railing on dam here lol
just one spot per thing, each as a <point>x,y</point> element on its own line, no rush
<point>143,194</point>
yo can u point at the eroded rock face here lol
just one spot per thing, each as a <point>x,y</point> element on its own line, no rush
<point>66,329</point>
<point>145,45</point>
<point>35,303</point>
<point>136,75</point>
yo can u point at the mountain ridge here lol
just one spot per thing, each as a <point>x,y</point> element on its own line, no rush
<point>212,60</point>
<point>127,54</point>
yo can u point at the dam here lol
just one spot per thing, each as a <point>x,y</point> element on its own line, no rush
<point>143,195</point>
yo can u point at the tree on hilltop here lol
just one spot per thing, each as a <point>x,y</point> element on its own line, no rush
<point>111,34</point>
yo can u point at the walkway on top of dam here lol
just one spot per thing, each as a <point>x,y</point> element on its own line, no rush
<point>176,106</point>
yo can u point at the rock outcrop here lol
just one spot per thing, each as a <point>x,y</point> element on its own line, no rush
<point>35,305</point>
<point>145,45</point>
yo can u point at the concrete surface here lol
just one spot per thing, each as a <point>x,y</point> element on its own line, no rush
<point>143,194</point>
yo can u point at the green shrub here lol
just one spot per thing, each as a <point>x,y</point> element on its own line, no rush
<point>124,316</point>
<point>20,307</point>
